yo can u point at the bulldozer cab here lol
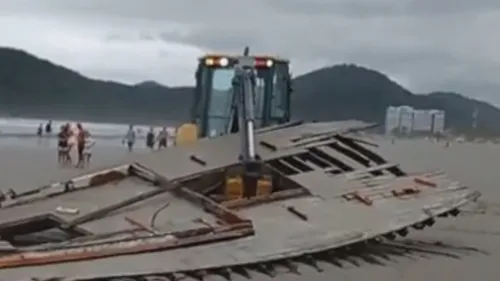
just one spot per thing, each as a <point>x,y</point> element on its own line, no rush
<point>213,98</point>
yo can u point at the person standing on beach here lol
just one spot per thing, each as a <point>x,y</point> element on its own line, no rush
<point>171,133</point>
<point>129,138</point>
<point>63,147</point>
<point>39,134</point>
<point>150,139</point>
<point>82,134</point>
<point>162,138</point>
<point>87,151</point>
<point>48,128</point>
<point>39,131</point>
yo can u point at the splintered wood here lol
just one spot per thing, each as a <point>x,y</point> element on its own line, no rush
<point>357,196</point>
<point>402,188</point>
<point>424,181</point>
<point>113,249</point>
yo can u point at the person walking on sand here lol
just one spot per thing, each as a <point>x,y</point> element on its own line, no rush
<point>162,138</point>
<point>129,138</point>
<point>150,138</point>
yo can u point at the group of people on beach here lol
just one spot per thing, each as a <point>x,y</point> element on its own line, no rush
<point>74,137</point>
<point>161,139</point>
<point>152,139</point>
<point>47,129</point>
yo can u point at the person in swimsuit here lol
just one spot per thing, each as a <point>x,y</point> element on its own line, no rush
<point>82,134</point>
<point>63,147</point>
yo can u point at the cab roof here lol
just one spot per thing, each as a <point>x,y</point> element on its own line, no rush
<point>261,56</point>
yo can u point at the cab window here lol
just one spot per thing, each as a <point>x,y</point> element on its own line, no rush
<point>279,96</point>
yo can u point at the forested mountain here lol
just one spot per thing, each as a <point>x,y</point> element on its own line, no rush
<point>34,87</point>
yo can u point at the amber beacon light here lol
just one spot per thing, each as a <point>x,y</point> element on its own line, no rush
<point>225,61</point>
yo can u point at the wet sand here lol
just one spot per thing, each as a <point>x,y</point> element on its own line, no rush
<point>23,167</point>
<point>473,164</point>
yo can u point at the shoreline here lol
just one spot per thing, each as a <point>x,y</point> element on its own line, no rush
<point>54,136</point>
<point>112,121</point>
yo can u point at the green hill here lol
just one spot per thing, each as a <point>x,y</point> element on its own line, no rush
<point>34,87</point>
<point>350,91</point>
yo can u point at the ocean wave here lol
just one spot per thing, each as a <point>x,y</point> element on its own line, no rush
<point>26,128</point>
<point>34,136</point>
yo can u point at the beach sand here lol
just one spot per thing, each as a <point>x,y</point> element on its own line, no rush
<point>23,167</point>
<point>473,164</point>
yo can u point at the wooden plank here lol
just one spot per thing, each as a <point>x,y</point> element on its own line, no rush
<point>124,203</point>
<point>114,249</point>
<point>362,172</point>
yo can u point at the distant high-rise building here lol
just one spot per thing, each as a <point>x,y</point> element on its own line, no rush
<point>392,119</point>
<point>422,121</point>
<point>438,121</point>
<point>406,120</point>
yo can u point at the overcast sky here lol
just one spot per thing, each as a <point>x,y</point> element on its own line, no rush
<point>425,45</point>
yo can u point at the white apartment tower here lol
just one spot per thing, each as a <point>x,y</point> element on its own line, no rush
<point>407,120</point>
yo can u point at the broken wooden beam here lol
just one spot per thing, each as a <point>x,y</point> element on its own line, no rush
<point>165,242</point>
<point>297,213</point>
<point>113,207</point>
<point>424,181</point>
<point>141,226</point>
<point>280,195</point>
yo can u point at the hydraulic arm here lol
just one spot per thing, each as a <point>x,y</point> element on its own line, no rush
<point>237,95</point>
<point>244,98</point>
<point>244,105</point>
<point>214,105</point>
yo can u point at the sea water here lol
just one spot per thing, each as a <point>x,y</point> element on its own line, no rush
<point>21,132</point>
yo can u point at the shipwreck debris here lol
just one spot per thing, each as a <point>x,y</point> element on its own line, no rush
<point>317,181</point>
<point>299,214</point>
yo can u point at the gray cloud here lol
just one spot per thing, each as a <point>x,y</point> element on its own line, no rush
<point>342,8</point>
<point>429,45</point>
<point>215,38</point>
<point>431,7</point>
<point>384,8</point>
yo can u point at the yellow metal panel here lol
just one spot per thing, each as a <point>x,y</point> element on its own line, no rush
<point>264,187</point>
<point>186,134</point>
<point>234,188</point>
